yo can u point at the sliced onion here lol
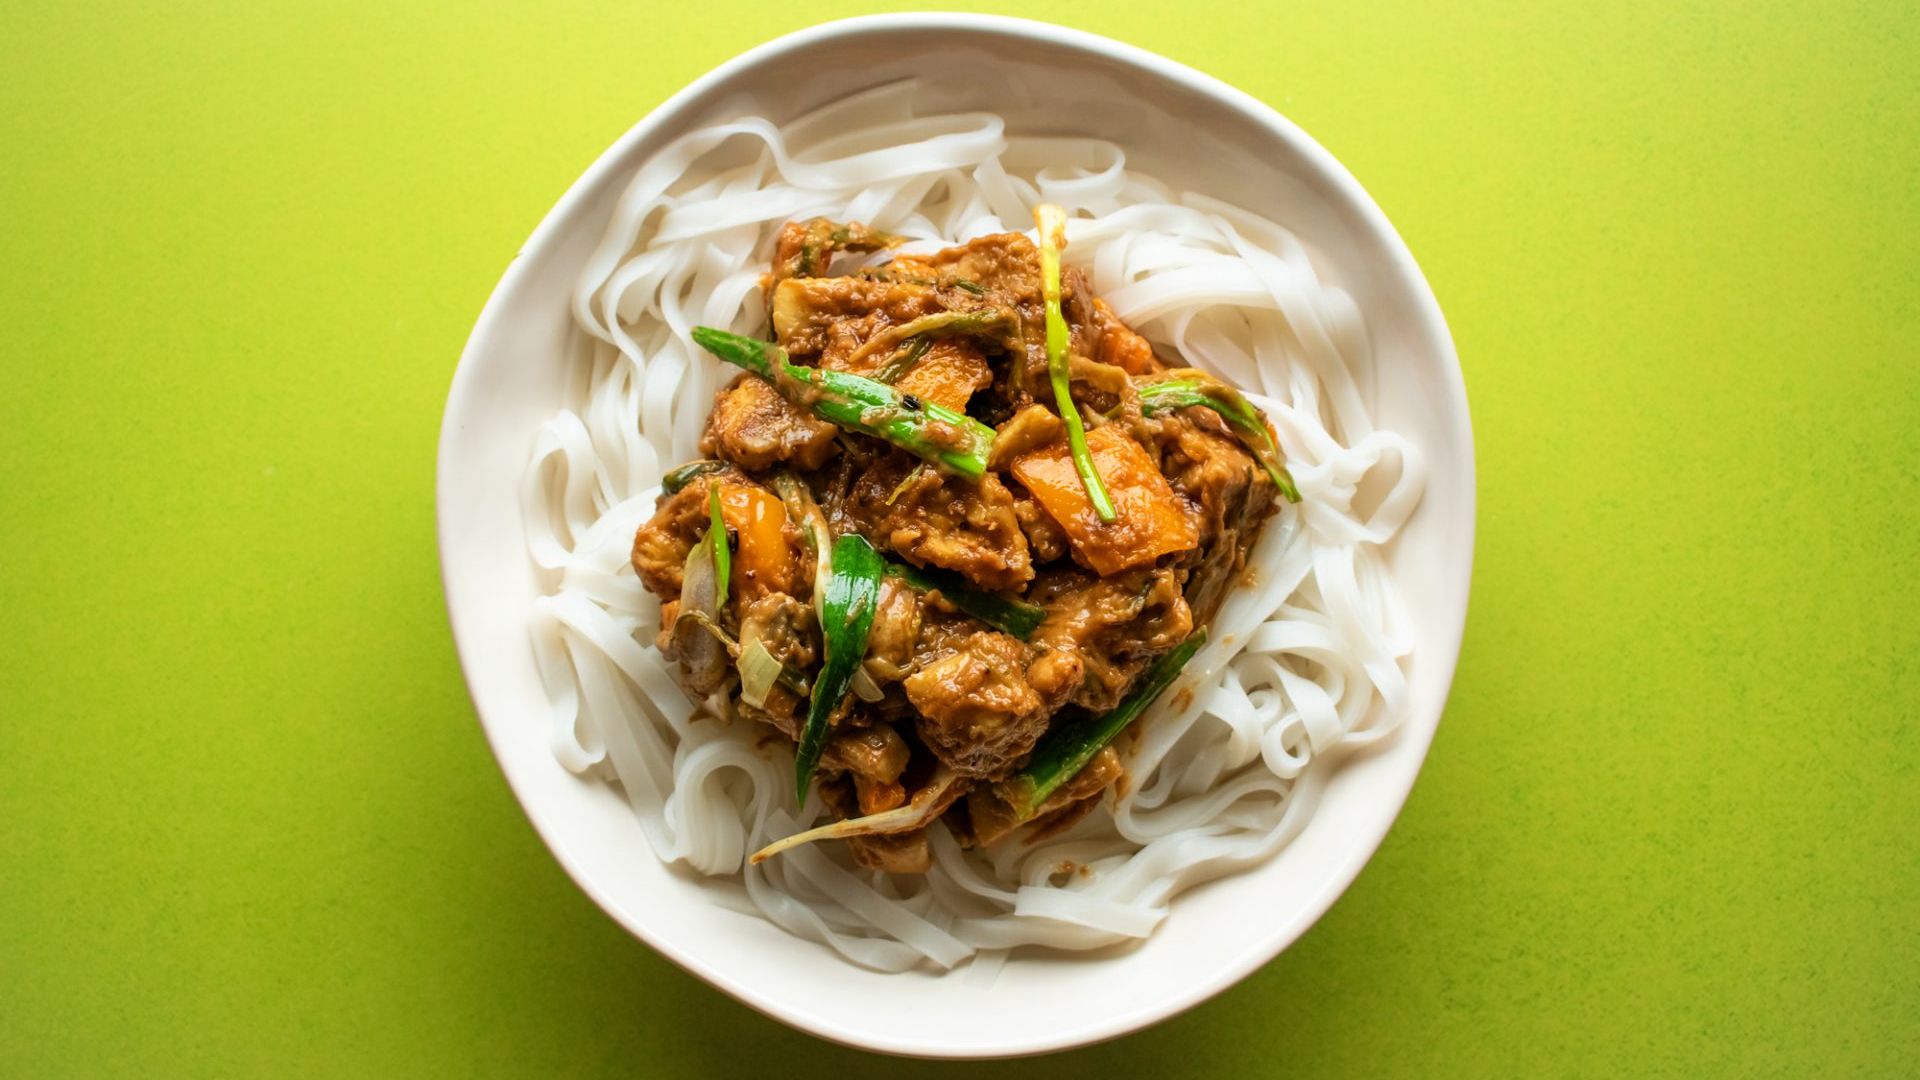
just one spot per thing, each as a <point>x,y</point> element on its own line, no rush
<point>758,672</point>
<point>806,513</point>
<point>864,687</point>
<point>699,650</point>
<point>928,803</point>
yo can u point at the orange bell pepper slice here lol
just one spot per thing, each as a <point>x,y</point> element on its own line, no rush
<point>1148,521</point>
<point>763,561</point>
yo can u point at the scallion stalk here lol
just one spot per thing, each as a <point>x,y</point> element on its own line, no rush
<point>846,617</point>
<point>1051,222</point>
<point>722,552</point>
<point>1007,614</point>
<point>1064,751</point>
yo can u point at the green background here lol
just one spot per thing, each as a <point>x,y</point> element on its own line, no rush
<point>247,821</point>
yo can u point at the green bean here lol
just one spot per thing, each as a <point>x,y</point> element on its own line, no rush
<point>1248,423</point>
<point>688,473</point>
<point>926,429</point>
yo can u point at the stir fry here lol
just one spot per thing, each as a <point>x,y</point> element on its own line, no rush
<point>957,527</point>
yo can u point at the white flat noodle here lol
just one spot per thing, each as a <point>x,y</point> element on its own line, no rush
<point>1306,659</point>
<point>985,970</point>
<point>718,844</point>
<point>577,748</point>
<point>703,219</point>
<point>1167,291</point>
<point>887,103</point>
<point>1076,909</point>
<point>1010,931</point>
<point>997,191</point>
<point>635,746</point>
<point>892,917</point>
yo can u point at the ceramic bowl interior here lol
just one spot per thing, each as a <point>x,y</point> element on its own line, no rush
<point>1186,128</point>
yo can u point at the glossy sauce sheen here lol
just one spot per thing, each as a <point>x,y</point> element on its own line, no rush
<point>948,350</point>
<point>1148,520</point>
<point>762,562</point>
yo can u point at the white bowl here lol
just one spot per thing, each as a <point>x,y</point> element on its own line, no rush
<point>1173,121</point>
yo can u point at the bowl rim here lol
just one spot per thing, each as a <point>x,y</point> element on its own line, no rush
<point>1454,414</point>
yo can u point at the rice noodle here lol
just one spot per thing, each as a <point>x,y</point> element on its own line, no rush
<point>1306,656</point>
